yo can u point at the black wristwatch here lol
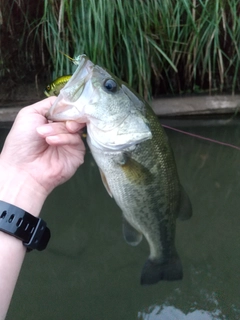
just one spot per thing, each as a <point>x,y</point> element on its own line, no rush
<point>33,231</point>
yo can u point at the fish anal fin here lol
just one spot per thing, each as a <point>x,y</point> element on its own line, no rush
<point>185,206</point>
<point>105,183</point>
<point>130,234</point>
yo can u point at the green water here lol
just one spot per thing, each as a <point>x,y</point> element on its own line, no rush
<point>88,272</point>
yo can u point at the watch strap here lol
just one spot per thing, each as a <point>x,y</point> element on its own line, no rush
<point>32,231</point>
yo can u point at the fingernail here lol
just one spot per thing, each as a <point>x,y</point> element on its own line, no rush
<point>53,139</point>
<point>44,129</point>
<point>73,126</point>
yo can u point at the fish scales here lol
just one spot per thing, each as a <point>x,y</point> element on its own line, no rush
<point>135,160</point>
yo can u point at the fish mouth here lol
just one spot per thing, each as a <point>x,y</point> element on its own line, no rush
<point>62,112</point>
<point>64,107</point>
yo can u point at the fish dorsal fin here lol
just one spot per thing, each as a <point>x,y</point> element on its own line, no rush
<point>104,180</point>
<point>130,234</point>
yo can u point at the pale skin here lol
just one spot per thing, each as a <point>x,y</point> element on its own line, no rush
<point>37,157</point>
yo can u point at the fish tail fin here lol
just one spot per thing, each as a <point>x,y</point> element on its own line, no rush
<point>154,271</point>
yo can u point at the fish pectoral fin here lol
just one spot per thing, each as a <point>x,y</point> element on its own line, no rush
<point>185,206</point>
<point>130,234</point>
<point>134,171</point>
<point>105,183</point>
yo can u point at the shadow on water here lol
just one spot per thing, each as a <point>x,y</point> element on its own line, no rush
<point>89,272</point>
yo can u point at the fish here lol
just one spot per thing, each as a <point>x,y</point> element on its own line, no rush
<point>135,161</point>
<point>54,88</point>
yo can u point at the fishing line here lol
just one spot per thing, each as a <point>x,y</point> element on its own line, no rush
<point>201,137</point>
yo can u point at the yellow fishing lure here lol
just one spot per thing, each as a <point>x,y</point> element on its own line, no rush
<point>54,88</point>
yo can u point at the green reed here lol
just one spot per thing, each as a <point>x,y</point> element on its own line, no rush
<point>171,46</point>
<point>20,46</point>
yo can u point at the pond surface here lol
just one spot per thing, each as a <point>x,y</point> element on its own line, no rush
<point>88,272</point>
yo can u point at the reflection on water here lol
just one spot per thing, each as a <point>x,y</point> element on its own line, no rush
<point>88,272</point>
<point>171,313</point>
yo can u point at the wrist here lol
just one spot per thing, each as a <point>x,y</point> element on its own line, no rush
<point>19,188</point>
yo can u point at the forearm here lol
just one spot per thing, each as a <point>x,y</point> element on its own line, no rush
<point>18,189</point>
<point>12,253</point>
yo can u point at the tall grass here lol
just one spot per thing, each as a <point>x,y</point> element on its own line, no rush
<point>122,36</point>
<point>170,46</point>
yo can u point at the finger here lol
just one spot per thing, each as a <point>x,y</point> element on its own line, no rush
<point>66,139</point>
<point>52,129</point>
<point>73,126</point>
<point>41,107</point>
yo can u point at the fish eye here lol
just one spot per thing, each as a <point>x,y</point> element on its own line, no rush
<point>48,87</point>
<point>110,85</point>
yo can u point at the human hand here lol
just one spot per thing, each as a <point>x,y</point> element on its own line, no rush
<point>36,157</point>
<point>47,154</point>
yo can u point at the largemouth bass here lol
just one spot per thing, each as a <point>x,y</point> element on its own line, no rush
<point>135,160</point>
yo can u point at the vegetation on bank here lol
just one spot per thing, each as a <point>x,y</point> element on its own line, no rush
<point>156,46</point>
